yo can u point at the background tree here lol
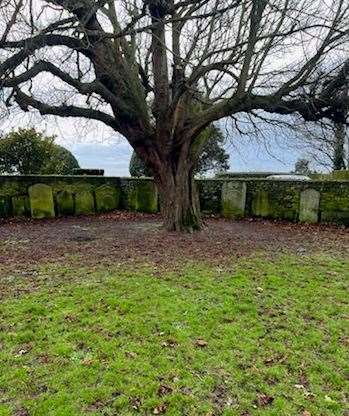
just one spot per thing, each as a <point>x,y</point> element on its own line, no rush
<point>28,152</point>
<point>138,168</point>
<point>324,143</point>
<point>302,167</point>
<point>213,157</point>
<point>143,67</point>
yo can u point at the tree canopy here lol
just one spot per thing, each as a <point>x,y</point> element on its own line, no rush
<point>28,152</point>
<point>160,71</point>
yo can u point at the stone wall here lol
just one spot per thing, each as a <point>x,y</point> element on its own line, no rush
<point>50,196</point>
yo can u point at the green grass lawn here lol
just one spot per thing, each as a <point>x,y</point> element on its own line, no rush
<point>261,337</point>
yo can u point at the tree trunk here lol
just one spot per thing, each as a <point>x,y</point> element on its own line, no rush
<point>339,147</point>
<point>179,198</point>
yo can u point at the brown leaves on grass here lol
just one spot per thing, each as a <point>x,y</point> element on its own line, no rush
<point>163,390</point>
<point>169,343</point>
<point>135,403</point>
<point>21,412</point>
<point>201,343</point>
<point>120,236</point>
<point>264,400</point>
<point>161,409</point>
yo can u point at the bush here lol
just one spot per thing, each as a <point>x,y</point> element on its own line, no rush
<point>29,152</point>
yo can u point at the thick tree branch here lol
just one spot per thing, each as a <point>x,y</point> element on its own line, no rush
<point>25,102</point>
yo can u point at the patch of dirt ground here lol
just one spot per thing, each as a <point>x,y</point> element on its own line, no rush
<point>122,237</point>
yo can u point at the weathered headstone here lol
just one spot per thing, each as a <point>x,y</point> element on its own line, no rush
<point>20,206</point>
<point>41,201</point>
<point>260,204</point>
<point>309,206</point>
<point>234,199</point>
<point>65,203</point>
<point>143,197</point>
<point>5,207</point>
<point>107,198</point>
<point>84,203</point>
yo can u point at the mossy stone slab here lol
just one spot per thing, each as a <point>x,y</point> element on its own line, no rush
<point>309,206</point>
<point>65,203</point>
<point>20,206</point>
<point>260,204</point>
<point>143,197</point>
<point>107,198</point>
<point>41,201</point>
<point>84,203</point>
<point>234,199</point>
<point>5,207</point>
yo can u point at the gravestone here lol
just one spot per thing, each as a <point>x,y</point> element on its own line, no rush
<point>260,204</point>
<point>65,203</point>
<point>234,199</point>
<point>41,201</point>
<point>84,203</point>
<point>309,206</point>
<point>5,207</point>
<point>20,206</point>
<point>143,197</point>
<point>107,198</point>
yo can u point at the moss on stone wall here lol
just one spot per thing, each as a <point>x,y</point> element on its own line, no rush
<point>266,198</point>
<point>334,205</point>
<point>210,191</point>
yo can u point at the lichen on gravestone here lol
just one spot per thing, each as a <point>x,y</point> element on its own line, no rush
<point>20,206</point>
<point>260,204</point>
<point>65,203</point>
<point>84,203</point>
<point>5,207</point>
<point>309,206</point>
<point>234,199</point>
<point>143,197</point>
<point>41,201</point>
<point>107,198</point>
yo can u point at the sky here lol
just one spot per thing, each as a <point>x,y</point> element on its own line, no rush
<point>97,147</point>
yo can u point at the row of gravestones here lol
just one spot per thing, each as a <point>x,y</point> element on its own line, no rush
<point>142,196</point>
<point>42,204</point>
<point>234,202</point>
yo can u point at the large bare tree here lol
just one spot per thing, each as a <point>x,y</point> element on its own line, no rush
<point>160,71</point>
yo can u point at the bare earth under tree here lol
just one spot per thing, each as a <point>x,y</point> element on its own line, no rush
<point>131,238</point>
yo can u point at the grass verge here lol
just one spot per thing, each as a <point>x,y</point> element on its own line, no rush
<point>266,338</point>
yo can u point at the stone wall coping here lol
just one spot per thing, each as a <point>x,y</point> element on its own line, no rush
<point>106,178</point>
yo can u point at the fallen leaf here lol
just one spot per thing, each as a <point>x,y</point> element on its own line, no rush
<point>130,354</point>
<point>169,343</point>
<point>306,413</point>
<point>22,352</point>
<point>135,403</point>
<point>163,390</point>
<point>21,412</point>
<point>264,400</point>
<point>201,343</point>
<point>329,400</point>
<point>159,410</point>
